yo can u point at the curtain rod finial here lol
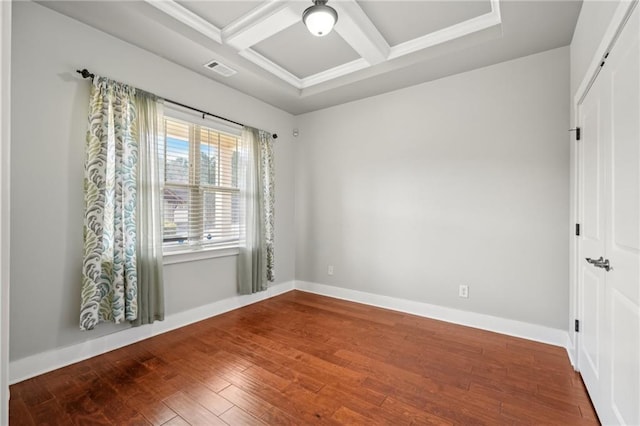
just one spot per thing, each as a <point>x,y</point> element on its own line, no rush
<point>85,73</point>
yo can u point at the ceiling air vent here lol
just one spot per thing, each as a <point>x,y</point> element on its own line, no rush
<point>220,68</point>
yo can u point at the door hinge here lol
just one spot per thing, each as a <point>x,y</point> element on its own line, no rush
<point>577,229</point>
<point>577,130</point>
<point>577,326</point>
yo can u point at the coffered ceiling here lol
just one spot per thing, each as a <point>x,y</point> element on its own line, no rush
<point>376,46</point>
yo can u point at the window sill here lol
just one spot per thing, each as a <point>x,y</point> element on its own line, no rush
<point>170,258</point>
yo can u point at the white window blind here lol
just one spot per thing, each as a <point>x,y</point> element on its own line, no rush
<point>201,194</point>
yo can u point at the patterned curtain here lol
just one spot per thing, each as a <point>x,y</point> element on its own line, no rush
<point>267,199</point>
<point>109,270</point>
<point>256,258</point>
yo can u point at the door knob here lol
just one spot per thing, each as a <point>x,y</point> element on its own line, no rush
<point>600,263</point>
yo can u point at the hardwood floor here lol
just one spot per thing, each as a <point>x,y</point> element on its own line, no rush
<point>299,359</point>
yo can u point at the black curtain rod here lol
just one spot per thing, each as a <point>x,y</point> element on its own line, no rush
<point>86,74</point>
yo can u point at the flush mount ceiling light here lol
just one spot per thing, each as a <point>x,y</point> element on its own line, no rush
<point>320,18</point>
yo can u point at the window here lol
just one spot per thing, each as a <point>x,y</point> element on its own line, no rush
<point>201,193</point>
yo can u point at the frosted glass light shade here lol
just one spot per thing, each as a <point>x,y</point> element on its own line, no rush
<point>320,19</point>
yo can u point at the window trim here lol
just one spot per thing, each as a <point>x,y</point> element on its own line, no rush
<point>173,257</point>
<point>177,254</point>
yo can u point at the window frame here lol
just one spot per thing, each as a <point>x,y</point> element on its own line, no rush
<point>193,252</point>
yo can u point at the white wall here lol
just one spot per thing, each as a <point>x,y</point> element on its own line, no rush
<point>5,103</point>
<point>463,180</point>
<point>49,109</point>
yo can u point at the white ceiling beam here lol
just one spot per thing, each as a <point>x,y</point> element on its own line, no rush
<point>495,10</point>
<point>261,23</point>
<point>188,18</point>
<point>355,27</point>
<point>335,72</point>
<point>271,67</point>
<point>453,32</point>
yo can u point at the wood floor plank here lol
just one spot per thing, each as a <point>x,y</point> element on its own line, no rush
<point>275,416</point>
<point>33,392</point>
<point>300,358</point>
<point>81,408</point>
<point>18,412</point>
<point>563,393</point>
<point>308,406</point>
<point>301,379</point>
<point>345,416</point>
<point>156,412</point>
<point>208,399</point>
<point>176,421</point>
<point>200,371</point>
<point>375,414</point>
<point>516,404</point>
<point>122,415</point>
<point>246,400</point>
<point>194,413</point>
<point>411,414</point>
<point>49,412</point>
<point>236,416</point>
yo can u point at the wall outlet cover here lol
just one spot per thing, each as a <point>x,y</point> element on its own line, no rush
<point>463,291</point>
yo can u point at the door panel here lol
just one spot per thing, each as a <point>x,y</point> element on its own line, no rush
<point>625,353</point>
<point>591,167</point>
<point>625,80</point>
<point>623,224</point>
<point>591,308</point>
<point>591,215</point>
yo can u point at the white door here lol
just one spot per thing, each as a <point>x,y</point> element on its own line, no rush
<point>591,280</point>
<point>609,348</point>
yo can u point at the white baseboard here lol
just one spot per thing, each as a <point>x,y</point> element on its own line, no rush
<point>34,365</point>
<point>571,352</point>
<point>506,326</point>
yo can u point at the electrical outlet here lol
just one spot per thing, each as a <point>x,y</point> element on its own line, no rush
<point>463,291</point>
<point>330,270</point>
